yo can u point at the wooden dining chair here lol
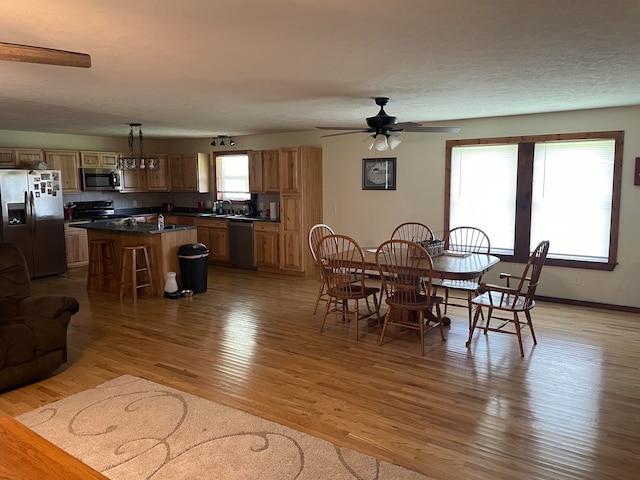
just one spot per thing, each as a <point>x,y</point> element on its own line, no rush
<point>315,235</point>
<point>342,261</point>
<point>463,240</point>
<point>511,300</point>
<point>406,270</point>
<point>412,232</point>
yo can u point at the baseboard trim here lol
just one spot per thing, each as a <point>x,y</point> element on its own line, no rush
<point>583,303</point>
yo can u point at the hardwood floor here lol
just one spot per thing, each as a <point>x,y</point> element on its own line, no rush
<point>569,409</point>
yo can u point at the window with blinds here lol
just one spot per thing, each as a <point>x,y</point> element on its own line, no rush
<point>563,188</point>
<point>232,177</point>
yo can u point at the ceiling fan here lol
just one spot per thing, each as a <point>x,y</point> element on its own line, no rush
<point>385,129</point>
<point>26,53</point>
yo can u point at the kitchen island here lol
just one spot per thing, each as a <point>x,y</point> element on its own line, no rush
<point>162,244</point>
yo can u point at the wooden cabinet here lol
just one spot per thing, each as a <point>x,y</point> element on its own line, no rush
<point>68,162</point>
<point>291,221</point>
<point>77,246</point>
<point>214,233</point>
<point>178,220</point>
<point>300,206</point>
<point>291,170</point>
<point>189,173</point>
<point>11,157</point>
<point>137,176</point>
<point>99,159</point>
<point>256,184</point>
<point>133,181</point>
<point>267,245</point>
<point>24,155</point>
<point>264,171</point>
<point>271,170</point>
<point>7,159</point>
<point>158,178</point>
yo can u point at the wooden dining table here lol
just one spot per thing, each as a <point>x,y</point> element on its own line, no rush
<point>448,266</point>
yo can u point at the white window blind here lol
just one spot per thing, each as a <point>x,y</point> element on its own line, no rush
<point>232,177</point>
<point>572,198</point>
<point>483,191</point>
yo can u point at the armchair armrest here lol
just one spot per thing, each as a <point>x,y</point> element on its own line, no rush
<point>48,306</point>
<point>491,287</point>
<point>509,276</point>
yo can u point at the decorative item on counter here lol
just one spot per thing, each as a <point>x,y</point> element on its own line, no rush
<point>208,205</point>
<point>160,222</point>
<point>171,286</point>
<point>200,206</point>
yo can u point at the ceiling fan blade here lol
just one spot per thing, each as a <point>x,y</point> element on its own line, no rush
<point>344,133</point>
<point>25,53</point>
<point>406,124</point>
<point>340,128</point>
<point>422,129</point>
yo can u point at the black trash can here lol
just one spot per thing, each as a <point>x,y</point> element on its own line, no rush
<point>193,258</point>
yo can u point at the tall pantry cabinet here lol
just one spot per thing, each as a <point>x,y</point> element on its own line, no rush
<point>300,206</point>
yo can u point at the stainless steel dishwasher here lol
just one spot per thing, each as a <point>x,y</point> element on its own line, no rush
<point>241,243</point>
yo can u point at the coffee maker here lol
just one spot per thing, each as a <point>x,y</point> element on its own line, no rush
<point>252,205</point>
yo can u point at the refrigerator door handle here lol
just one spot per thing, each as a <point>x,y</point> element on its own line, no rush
<point>32,213</point>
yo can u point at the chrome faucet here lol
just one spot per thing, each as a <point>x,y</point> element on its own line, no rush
<point>230,205</point>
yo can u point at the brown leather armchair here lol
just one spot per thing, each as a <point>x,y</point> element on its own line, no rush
<point>33,329</point>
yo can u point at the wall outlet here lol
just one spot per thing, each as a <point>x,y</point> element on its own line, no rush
<point>135,203</point>
<point>577,280</point>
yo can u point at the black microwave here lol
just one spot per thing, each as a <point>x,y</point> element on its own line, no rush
<point>100,179</point>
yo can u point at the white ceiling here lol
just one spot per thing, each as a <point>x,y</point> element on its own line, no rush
<point>199,68</point>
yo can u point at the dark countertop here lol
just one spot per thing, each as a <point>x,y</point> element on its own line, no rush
<point>222,217</point>
<point>141,228</point>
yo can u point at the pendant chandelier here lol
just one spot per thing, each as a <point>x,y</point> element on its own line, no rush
<point>138,161</point>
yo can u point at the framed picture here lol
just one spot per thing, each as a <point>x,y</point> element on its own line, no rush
<point>378,173</point>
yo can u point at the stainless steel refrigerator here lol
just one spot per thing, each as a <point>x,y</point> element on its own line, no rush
<point>33,218</point>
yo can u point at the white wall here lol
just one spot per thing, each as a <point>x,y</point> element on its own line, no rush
<point>370,216</point>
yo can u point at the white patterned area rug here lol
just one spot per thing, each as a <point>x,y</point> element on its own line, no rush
<point>131,428</point>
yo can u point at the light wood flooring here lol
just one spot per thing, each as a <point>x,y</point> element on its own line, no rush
<point>570,409</point>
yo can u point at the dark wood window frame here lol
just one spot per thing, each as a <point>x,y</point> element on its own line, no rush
<point>526,146</point>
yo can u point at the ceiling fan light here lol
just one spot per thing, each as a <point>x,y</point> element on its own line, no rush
<point>393,142</point>
<point>369,141</point>
<point>381,143</point>
<point>213,142</point>
<point>231,142</point>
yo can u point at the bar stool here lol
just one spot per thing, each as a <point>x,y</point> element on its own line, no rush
<point>102,263</point>
<point>130,256</point>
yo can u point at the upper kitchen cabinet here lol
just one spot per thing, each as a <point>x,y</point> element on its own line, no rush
<point>6,158</point>
<point>23,155</point>
<point>271,170</point>
<point>300,206</point>
<point>68,162</point>
<point>290,169</point>
<point>256,184</point>
<point>10,157</point>
<point>133,181</point>
<point>264,171</point>
<point>189,173</point>
<point>158,178</point>
<point>99,159</point>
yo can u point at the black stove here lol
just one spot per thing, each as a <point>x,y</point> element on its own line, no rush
<point>95,210</point>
